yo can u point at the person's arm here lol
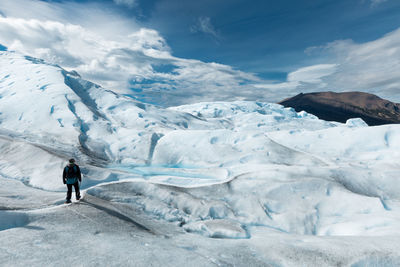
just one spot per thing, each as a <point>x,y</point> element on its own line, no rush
<point>79,174</point>
<point>64,176</point>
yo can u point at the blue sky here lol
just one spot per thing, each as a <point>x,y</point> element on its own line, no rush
<point>173,52</point>
<point>267,37</point>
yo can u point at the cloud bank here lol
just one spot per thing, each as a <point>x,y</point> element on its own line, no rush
<point>137,62</point>
<point>372,67</point>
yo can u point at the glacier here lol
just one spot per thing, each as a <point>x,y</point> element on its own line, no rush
<point>215,183</point>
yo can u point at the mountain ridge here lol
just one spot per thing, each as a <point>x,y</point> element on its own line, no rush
<point>340,107</point>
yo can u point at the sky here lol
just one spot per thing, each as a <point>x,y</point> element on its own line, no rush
<point>172,52</point>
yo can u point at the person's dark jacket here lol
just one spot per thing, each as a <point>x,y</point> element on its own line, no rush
<point>73,171</point>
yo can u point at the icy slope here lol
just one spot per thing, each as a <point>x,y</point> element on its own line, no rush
<point>59,112</point>
<point>240,183</point>
<point>46,104</point>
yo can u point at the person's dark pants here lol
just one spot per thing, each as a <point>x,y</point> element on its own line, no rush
<point>69,192</point>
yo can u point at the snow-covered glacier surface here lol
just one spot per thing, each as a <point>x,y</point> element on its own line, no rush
<point>226,184</point>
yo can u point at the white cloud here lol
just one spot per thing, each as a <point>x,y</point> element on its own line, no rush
<point>372,67</point>
<point>128,3</point>
<point>377,2</point>
<point>91,16</point>
<point>312,74</point>
<point>119,54</point>
<point>121,57</point>
<point>302,79</point>
<point>204,25</point>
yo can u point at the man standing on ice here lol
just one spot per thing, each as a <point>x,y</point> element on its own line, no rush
<point>72,177</point>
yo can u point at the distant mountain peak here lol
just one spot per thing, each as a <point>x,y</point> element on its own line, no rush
<point>340,107</point>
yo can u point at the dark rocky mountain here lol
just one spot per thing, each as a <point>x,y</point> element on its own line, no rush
<point>340,107</point>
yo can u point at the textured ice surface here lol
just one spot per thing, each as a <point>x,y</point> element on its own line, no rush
<point>238,183</point>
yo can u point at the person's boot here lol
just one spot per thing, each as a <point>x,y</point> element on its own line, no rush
<point>68,201</point>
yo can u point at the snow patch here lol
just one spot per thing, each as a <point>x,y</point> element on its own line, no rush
<point>219,228</point>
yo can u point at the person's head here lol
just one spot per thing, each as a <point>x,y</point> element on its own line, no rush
<point>71,161</point>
